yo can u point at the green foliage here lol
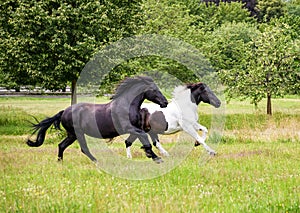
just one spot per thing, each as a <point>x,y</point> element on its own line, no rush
<point>293,22</point>
<point>293,7</point>
<point>210,17</point>
<point>48,42</point>
<point>269,9</point>
<point>259,65</point>
<point>228,46</point>
<point>161,69</point>
<point>273,63</point>
<point>169,18</point>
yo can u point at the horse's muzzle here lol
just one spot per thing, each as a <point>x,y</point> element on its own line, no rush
<point>217,104</point>
<point>164,104</point>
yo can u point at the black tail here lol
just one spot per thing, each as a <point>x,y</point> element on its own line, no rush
<point>42,127</point>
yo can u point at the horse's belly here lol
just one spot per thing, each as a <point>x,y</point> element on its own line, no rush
<point>97,133</point>
<point>172,128</point>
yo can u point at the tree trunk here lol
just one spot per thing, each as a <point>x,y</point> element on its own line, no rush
<point>73,93</point>
<point>18,89</point>
<point>269,104</point>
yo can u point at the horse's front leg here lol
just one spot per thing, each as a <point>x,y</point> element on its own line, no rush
<point>157,144</point>
<point>202,128</point>
<point>193,132</point>
<point>128,142</point>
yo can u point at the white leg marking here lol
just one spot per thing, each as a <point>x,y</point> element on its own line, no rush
<point>161,149</point>
<point>193,132</point>
<point>203,129</point>
<point>128,152</point>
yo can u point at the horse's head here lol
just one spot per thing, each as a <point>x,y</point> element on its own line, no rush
<point>201,92</point>
<point>152,93</point>
<point>140,87</point>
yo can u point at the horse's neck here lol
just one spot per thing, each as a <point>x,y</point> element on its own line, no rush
<point>137,102</point>
<point>127,109</point>
<point>183,100</point>
<point>182,96</point>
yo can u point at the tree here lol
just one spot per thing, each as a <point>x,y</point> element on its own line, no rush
<point>228,46</point>
<point>170,18</point>
<point>189,21</point>
<point>48,42</point>
<point>269,69</point>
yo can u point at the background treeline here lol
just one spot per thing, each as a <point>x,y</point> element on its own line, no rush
<point>253,45</point>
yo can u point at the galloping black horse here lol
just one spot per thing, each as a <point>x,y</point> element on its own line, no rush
<point>120,116</point>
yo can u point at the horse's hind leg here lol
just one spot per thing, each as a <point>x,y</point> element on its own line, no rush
<point>157,144</point>
<point>64,144</point>
<point>84,148</point>
<point>128,143</point>
<point>148,148</point>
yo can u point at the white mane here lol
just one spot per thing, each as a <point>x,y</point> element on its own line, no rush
<point>186,108</point>
<point>181,93</point>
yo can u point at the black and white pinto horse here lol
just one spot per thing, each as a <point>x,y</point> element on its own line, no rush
<point>120,116</point>
<point>181,114</point>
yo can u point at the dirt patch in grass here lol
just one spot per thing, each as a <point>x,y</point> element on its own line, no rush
<point>241,154</point>
<point>283,130</point>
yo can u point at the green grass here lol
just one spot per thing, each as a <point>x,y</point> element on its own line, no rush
<point>256,169</point>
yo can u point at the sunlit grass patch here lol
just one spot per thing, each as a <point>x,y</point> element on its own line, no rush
<point>242,177</point>
<point>256,168</point>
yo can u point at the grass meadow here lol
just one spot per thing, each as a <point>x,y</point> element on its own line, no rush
<point>257,168</point>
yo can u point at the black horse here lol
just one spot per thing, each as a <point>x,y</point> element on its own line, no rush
<point>120,116</point>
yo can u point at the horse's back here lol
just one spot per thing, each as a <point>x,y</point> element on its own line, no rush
<point>153,107</point>
<point>91,119</point>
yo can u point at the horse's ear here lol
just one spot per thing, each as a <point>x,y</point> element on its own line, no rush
<point>190,86</point>
<point>201,86</point>
<point>195,86</point>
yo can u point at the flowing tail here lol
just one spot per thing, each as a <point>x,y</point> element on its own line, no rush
<point>42,127</point>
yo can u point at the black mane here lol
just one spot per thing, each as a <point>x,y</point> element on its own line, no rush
<point>129,82</point>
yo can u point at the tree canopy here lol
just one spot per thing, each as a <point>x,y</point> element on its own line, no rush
<point>48,42</point>
<point>253,45</point>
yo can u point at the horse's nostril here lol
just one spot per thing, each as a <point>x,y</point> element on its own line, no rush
<point>164,104</point>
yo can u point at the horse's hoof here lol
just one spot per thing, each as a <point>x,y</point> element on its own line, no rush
<point>197,143</point>
<point>59,159</point>
<point>96,163</point>
<point>212,153</point>
<point>147,152</point>
<point>158,160</point>
<point>148,155</point>
<point>165,154</point>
